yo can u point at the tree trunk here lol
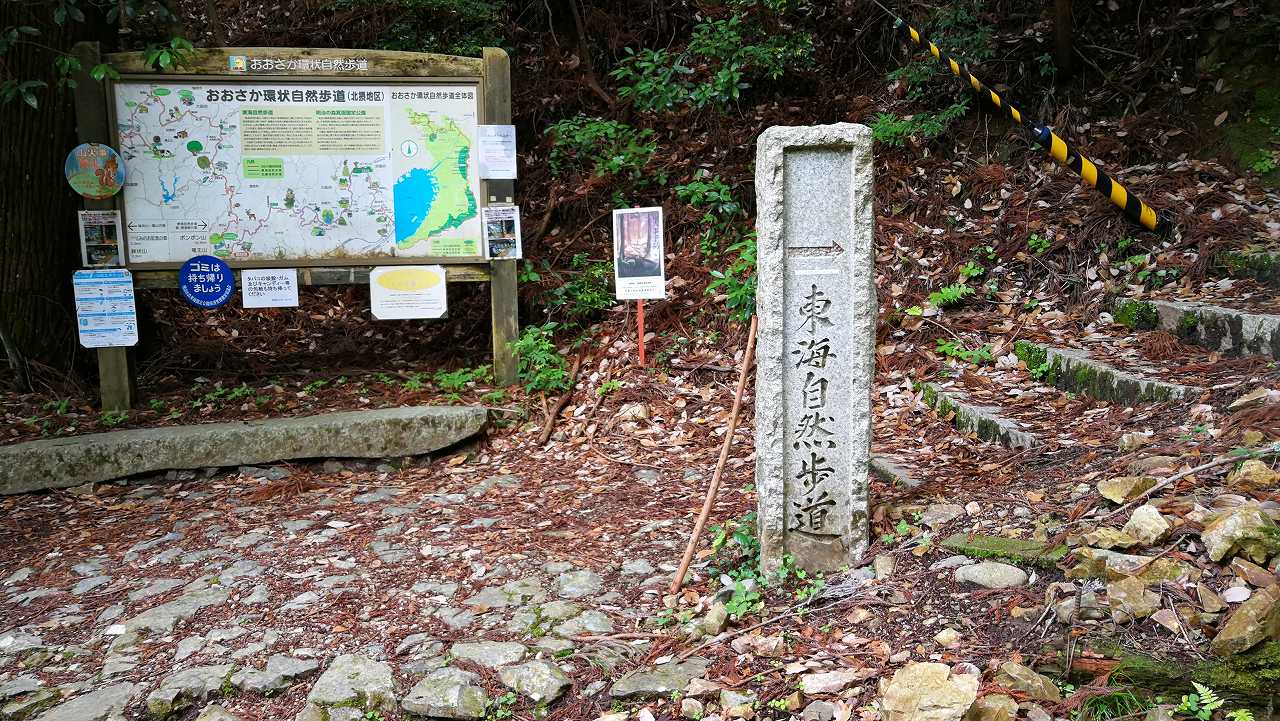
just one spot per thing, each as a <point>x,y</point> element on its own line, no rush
<point>39,245</point>
<point>1062,38</point>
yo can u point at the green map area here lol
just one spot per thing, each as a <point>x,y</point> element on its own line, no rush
<point>454,203</point>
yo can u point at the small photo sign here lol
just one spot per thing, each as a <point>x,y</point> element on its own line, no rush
<point>638,255</point>
<point>502,232</point>
<point>100,236</point>
<point>269,288</point>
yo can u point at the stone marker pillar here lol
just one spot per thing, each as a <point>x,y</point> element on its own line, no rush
<point>816,345</point>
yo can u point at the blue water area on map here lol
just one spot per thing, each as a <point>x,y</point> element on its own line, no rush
<point>412,195</point>
<point>168,194</point>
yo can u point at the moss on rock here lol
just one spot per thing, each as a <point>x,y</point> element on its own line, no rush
<point>1136,314</point>
<point>1014,549</point>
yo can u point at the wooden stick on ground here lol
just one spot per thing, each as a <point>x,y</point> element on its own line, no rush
<point>564,400</point>
<point>710,500</point>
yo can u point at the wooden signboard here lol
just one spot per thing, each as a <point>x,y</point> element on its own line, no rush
<point>330,161</point>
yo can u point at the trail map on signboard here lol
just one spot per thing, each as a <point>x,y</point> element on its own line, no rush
<point>292,171</point>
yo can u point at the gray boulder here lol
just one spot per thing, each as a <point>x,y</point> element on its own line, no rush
<point>659,681</point>
<point>186,688</point>
<point>540,681</point>
<point>448,693</point>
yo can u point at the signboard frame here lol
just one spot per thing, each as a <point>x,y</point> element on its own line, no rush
<point>490,74</point>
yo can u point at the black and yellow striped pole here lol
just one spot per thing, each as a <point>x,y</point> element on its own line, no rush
<point>1133,207</point>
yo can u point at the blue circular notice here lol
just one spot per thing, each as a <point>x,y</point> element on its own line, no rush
<point>206,281</point>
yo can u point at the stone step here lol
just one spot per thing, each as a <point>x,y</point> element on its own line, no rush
<point>383,433</point>
<point>985,421</point>
<point>1262,265</point>
<point>892,472</point>
<point>1074,370</point>
<point>1227,330</point>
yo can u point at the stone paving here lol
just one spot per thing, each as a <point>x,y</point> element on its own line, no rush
<point>423,592</point>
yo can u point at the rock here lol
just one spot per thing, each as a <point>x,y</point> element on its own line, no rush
<point>1237,594</point>
<point>993,707</point>
<point>540,681</point>
<point>691,708</point>
<point>576,584</point>
<point>448,693</point>
<point>1209,601</point>
<point>1015,549</point>
<point>353,681</point>
<point>1246,530</point>
<point>1123,489</point>
<point>701,687</point>
<point>1253,475</point>
<point>1150,464</point>
<point>1133,440</point>
<point>938,515</point>
<point>715,619</point>
<point>927,692</point>
<point>1109,538</point>
<point>186,688</point>
<point>29,705</point>
<point>637,567</point>
<point>163,618</point>
<point>827,682</point>
<point>883,565</point>
<point>1113,566</point>
<point>1168,618</point>
<point>1130,600</point>
<point>951,562</point>
<point>587,622</point>
<point>991,574</point>
<point>947,638</point>
<point>71,461</point>
<point>1017,677</point>
<point>214,712</point>
<point>279,674</point>
<point>1253,573</point>
<point>659,681</point>
<point>1147,525</point>
<point>489,654</point>
<point>1255,620</point>
<point>819,711</point>
<point>89,584</point>
<point>105,704</point>
<point>738,704</point>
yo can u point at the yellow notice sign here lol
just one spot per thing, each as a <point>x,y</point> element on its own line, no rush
<point>408,291</point>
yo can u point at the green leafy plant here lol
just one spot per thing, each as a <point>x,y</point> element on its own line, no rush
<point>415,382</point>
<point>314,386</point>
<point>60,406</point>
<point>457,380</point>
<point>738,281</point>
<point>950,295</point>
<point>111,419</point>
<point>1038,244</point>
<point>1240,714</point>
<point>955,349</point>
<point>586,292</point>
<point>541,368</point>
<point>601,147</point>
<point>608,387</point>
<point>957,28</point>
<point>501,707</point>
<point>969,270</point>
<point>723,58</point>
<point>168,56</point>
<point>1201,704</point>
<point>495,396</point>
<point>722,214</point>
<point>891,130</point>
<point>528,274</point>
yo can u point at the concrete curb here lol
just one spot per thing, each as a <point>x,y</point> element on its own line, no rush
<point>387,432</point>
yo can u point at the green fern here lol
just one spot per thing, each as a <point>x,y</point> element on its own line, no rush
<point>1202,703</point>
<point>950,295</point>
<point>1240,714</point>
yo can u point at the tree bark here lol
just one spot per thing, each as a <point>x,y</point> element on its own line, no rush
<point>1062,37</point>
<point>38,227</point>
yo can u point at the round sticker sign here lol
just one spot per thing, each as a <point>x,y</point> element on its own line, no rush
<point>94,171</point>
<point>206,281</point>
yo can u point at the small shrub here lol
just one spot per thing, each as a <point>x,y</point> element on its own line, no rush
<point>738,280</point>
<point>601,147</point>
<point>541,368</point>
<point>1038,244</point>
<point>457,380</point>
<point>891,130</point>
<point>586,293</point>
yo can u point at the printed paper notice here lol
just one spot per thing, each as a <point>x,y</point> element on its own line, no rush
<point>498,152</point>
<point>407,292</point>
<point>100,238</point>
<point>502,232</point>
<point>106,316</point>
<point>275,288</point>
<point>638,270</point>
